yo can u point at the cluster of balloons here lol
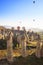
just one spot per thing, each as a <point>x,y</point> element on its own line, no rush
<point>33,3</point>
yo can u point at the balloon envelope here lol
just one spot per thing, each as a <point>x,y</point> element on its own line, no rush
<point>33,19</point>
<point>34,1</point>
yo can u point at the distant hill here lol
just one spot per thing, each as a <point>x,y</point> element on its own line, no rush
<point>32,29</point>
<point>36,30</point>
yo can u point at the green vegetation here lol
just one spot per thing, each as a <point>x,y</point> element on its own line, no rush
<point>3,44</point>
<point>41,35</point>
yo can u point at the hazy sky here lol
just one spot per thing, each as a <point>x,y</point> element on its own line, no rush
<point>21,13</point>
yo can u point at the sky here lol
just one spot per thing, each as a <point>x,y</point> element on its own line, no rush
<point>21,13</point>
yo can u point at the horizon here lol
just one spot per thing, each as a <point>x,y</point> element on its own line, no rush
<point>21,28</point>
<point>22,13</point>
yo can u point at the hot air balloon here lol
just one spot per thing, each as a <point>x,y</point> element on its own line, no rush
<point>34,1</point>
<point>33,19</point>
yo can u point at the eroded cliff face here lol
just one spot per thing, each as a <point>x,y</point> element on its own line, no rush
<point>10,47</point>
<point>39,49</point>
